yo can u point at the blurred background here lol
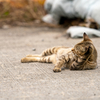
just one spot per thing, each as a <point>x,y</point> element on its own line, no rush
<point>17,12</point>
<point>49,13</point>
<point>28,12</point>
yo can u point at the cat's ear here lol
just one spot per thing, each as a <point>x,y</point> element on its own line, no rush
<point>85,37</point>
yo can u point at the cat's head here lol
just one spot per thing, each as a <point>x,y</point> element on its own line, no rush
<point>83,47</point>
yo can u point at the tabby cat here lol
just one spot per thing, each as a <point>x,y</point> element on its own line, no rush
<point>82,56</point>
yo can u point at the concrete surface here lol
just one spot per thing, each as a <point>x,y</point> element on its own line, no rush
<point>37,81</point>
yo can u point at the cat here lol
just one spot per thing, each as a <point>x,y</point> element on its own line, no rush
<point>83,56</point>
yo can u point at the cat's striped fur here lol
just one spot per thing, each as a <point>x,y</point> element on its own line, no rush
<point>82,56</point>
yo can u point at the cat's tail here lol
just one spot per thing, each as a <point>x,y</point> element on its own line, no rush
<point>51,51</point>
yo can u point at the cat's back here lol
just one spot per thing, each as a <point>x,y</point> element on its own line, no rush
<point>64,51</point>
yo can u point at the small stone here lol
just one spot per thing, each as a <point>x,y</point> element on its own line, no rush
<point>42,40</point>
<point>33,49</point>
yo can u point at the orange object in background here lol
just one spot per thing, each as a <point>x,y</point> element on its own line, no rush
<point>18,3</point>
<point>40,1</point>
<point>5,0</point>
<point>22,3</point>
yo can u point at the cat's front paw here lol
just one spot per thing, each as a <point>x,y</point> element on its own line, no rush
<point>24,60</point>
<point>74,67</point>
<point>56,69</point>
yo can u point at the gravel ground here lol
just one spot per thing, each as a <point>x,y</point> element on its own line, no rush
<point>37,81</point>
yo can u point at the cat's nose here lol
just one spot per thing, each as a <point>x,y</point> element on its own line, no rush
<point>86,48</point>
<point>89,46</point>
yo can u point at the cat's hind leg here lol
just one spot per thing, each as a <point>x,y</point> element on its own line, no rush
<point>45,59</point>
<point>30,59</point>
<point>33,56</point>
